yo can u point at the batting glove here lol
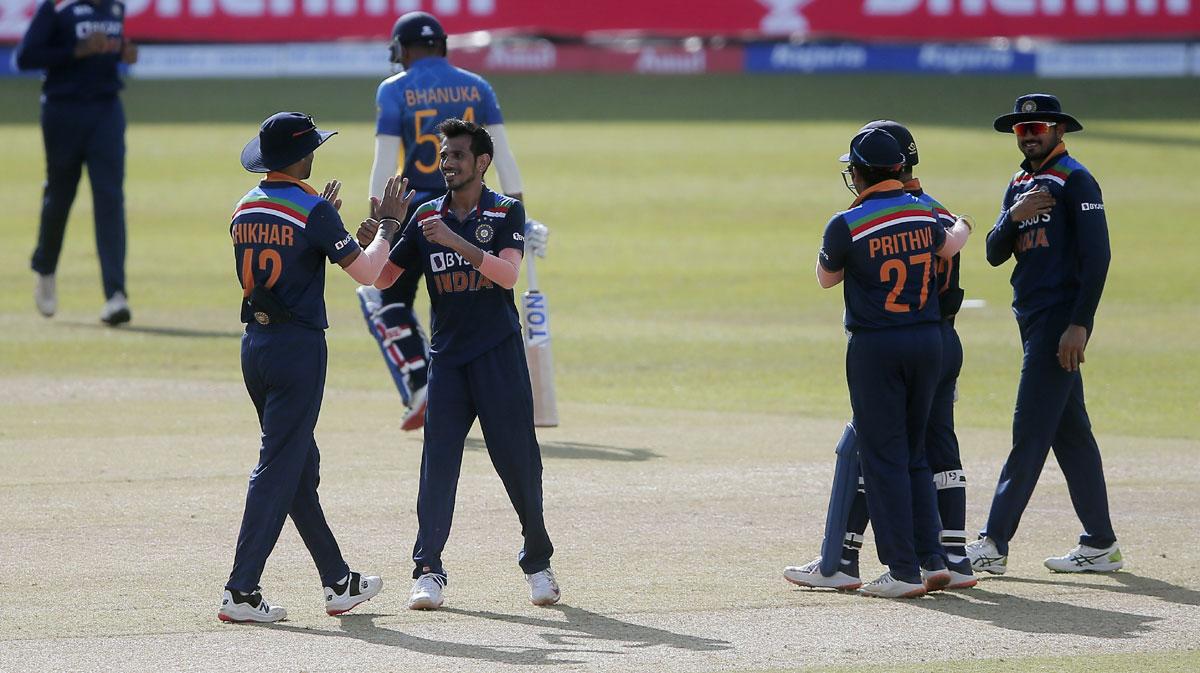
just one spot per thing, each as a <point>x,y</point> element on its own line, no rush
<point>536,235</point>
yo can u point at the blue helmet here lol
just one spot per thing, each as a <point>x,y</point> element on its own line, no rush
<point>415,28</point>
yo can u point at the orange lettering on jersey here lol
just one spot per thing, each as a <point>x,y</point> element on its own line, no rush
<point>872,247</point>
<point>459,281</point>
<point>887,246</point>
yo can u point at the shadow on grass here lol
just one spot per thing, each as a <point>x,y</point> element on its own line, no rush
<point>1127,583</point>
<point>1016,613</point>
<point>579,625</point>
<point>154,330</point>
<point>580,451</point>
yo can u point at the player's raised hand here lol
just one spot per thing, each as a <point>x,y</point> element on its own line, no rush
<point>396,199</point>
<point>1031,204</point>
<point>366,232</point>
<point>330,194</point>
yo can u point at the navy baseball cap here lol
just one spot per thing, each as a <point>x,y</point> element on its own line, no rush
<point>876,148</point>
<point>283,139</point>
<point>417,27</point>
<point>1036,107</point>
<point>902,136</point>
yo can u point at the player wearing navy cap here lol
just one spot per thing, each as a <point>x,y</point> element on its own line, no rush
<point>469,245</point>
<point>283,232</point>
<point>410,105</point>
<point>79,43</point>
<point>883,248</point>
<point>1052,220</point>
<point>847,527</point>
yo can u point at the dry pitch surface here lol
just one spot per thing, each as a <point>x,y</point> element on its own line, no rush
<point>671,528</point>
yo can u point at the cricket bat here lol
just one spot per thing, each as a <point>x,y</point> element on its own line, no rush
<point>535,317</point>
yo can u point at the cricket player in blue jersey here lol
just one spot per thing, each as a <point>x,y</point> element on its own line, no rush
<point>884,249</point>
<point>941,443</point>
<point>469,244</point>
<point>283,234</point>
<point>1052,221</point>
<point>79,43</point>
<point>410,105</point>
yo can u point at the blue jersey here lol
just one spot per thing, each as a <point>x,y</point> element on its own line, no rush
<point>283,231</point>
<point>886,245</point>
<point>471,314</point>
<point>1063,255</point>
<point>412,104</point>
<point>49,44</point>
<point>947,270</point>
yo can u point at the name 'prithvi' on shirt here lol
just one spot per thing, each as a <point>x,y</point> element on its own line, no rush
<point>905,241</point>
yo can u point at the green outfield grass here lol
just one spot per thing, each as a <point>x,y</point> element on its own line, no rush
<point>685,215</point>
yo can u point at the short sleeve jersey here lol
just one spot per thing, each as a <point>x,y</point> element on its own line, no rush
<point>471,314</point>
<point>50,41</point>
<point>411,104</point>
<point>947,270</point>
<point>282,233</point>
<point>886,245</point>
<point>1063,255</point>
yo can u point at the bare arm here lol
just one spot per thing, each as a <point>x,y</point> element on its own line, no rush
<point>826,278</point>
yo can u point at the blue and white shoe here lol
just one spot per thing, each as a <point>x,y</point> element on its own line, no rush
<point>809,575</point>
<point>985,557</point>
<point>1084,559</point>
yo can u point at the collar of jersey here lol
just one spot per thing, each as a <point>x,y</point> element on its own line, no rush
<point>276,176</point>
<point>913,186</point>
<point>485,196</point>
<point>426,61</point>
<point>1050,160</point>
<point>877,188</point>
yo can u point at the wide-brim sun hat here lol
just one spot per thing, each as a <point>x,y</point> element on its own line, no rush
<point>1036,107</point>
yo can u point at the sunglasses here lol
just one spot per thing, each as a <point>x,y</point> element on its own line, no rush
<point>1033,128</point>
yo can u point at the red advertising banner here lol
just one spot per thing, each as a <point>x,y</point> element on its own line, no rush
<point>323,20</point>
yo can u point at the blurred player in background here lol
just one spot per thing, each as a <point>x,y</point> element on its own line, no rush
<point>80,43</point>
<point>941,443</point>
<point>284,233</point>
<point>1052,220</point>
<point>469,245</point>
<point>883,247</point>
<point>410,105</point>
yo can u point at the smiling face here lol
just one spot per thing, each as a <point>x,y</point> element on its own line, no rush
<point>459,166</point>
<point>1037,140</point>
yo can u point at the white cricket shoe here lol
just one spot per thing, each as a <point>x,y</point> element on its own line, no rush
<point>961,576</point>
<point>809,575</point>
<point>45,294</point>
<point>986,558</point>
<point>936,580</point>
<point>116,310</point>
<point>890,587</point>
<point>415,416</point>
<point>350,592</point>
<point>543,588</point>
<point>1087,559</point>
<point>248,608</point>
<point>427,592</point>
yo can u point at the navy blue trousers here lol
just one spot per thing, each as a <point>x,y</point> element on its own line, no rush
<point>284,370</point>
<point>1050,412</point>
<point>892,374</point>
<point>941,449</point>
<point>495,388</point>
<point>75,134</point>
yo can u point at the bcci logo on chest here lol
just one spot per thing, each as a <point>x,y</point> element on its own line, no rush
<point>484,233</point>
